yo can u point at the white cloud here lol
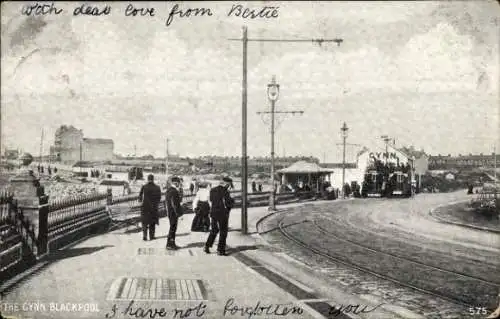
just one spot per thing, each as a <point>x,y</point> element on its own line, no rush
<point>438,56</point>
<point>142,84</point>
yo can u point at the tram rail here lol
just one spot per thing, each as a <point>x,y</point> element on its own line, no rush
<point>479,289</point>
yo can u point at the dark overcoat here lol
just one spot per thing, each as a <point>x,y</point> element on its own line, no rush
<point>173,202</point>
<point>221,202</point>
<point>150,195</point>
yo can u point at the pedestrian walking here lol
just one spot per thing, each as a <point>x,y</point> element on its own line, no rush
<point>254,187</point>
<point>191,188</point>
<point>150,195</point>
<point>174,210</point>
<point>221,204</point>
<point>201,207</point>
<point>260,188</point>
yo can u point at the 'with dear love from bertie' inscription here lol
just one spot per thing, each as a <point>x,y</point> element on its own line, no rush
<point>173,13</point>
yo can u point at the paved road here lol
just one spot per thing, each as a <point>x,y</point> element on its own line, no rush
<point>398,226</point>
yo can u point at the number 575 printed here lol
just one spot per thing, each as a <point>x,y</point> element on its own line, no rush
<point>477,310</point>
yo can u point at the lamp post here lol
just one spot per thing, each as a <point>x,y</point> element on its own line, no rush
<point>413,176</point>
<point>343,130</point>
<point>273,90</point>
<point>166,160</point>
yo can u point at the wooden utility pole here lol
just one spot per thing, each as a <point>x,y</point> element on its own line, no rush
<point>244,168</point>
<point>41,147</point>
<point>386,139</point>
<point>344,130</point>
<point>166,160</point>
<point>244,177</point>
<point>272,204</point>
<point>495,163</point>
<point>81,156</point>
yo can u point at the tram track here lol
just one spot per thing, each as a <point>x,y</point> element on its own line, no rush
<point>404,288</point>
<point>489,285</point>
<point>404,258</point>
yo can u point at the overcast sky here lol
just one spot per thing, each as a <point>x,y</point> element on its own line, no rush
<point>425,73</point>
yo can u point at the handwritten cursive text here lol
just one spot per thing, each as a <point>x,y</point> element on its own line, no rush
<point>40,9</point>
<point>138,312</point>
<point>132,11</point>
<point>265,12</point>
<point>186,13</point>
<point>260,310</point>
<point>89,10</point>
<point>198,311</point>
<point>355,309</point>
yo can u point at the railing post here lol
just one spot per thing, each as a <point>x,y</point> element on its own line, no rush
<point>43,225</point>
<point>109,198</point>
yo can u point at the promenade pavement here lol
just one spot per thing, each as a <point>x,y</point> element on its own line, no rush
<point>118,275</point>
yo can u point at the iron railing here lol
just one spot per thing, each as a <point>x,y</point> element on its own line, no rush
<point>73,218</point>
<point>18,243</point>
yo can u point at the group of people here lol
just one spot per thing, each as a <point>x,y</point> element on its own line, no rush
<point>211,205</point>
<point>95,173</point>
<point>41,170</point>
<point>388,168</point>
<point>256,188</point>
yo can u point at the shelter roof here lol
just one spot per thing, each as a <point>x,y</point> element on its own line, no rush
<point>83,164</point>
<point>113,182</point>
<point>304,167</point>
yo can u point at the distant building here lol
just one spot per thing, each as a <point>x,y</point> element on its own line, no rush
<point>11,154</point>
<point>355,171</point>
<point>70,146</point>
<point>443,162</point>
<point>260,161</point>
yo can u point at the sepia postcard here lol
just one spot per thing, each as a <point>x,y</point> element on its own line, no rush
<point>250,159</point>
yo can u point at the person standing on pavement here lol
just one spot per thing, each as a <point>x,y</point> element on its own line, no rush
<point>150,195</point>
<point>201,207</point>
<point>221,204</point>
<point>174,210</point>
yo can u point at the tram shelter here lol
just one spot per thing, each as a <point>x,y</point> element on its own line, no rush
<point>304,173</point>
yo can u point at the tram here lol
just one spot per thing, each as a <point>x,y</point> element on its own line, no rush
<point>135,173</point>
<point>399,184</point>
<point>386,182</point>
<point>373,184</point>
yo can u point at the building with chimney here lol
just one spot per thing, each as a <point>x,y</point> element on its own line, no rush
<point>70,146</point>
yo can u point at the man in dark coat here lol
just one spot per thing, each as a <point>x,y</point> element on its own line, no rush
<point>221,204</point>
<point>150,195</point>
<point>174,210</point>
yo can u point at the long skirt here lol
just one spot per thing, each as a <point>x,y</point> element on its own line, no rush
<point>201,220</point>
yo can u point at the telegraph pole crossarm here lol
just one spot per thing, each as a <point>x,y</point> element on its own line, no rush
<point>282,112</point>
<point>319,41</point>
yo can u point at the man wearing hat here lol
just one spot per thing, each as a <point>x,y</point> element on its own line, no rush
<point>174,210</point>
<point>221,204</point>
<point>150,195</point>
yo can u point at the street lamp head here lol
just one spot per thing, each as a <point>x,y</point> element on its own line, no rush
<point>344,130</point>
<point>273,90</point>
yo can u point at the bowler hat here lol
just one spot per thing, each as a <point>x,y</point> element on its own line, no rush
<point>227,180</point>
<point>175,179</point>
